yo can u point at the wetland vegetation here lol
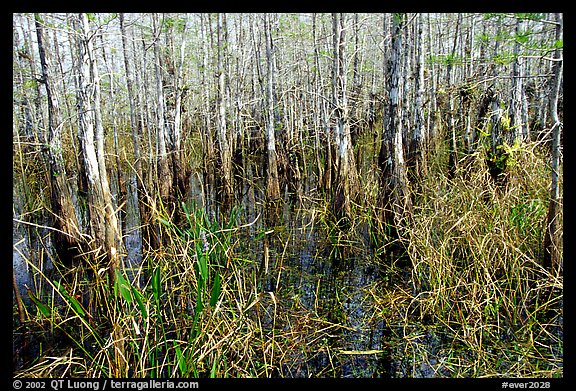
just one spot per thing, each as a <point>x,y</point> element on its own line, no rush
<point>287,195</point>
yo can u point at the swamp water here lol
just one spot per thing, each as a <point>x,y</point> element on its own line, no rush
<point>320,287</point>
<point>308,276</point>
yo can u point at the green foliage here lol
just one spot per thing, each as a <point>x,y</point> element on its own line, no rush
<point>71,301</point>
<point>398,17</point>
<point>484,38</point>
<point>157,284</point>
<point>446,59</point>
<point>216,289</point>
<point>504,58</point>
<point>498,16</point>
<point>530,16</point>
<point>178,24</point>
<point>523,37</point>
<point>42,308</point>
<point>31,84</point>
<point>559,44</point>
<point>123,287</point>
<point>525,216</point>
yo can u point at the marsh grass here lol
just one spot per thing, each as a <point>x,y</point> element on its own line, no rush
<point>194,308</point>
<point>477,285</point>
<point>463,294</point>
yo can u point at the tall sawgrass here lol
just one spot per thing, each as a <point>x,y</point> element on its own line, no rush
<point>477,283</point>
<point>195,307</point>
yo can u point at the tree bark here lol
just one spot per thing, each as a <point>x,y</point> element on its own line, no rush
<point>347,182</point>
<point>518,122</point>
<point>107,240</point>
<point>394,182</point>
<point>273,185</point>
<point>179,172</point>
<point>164,179</point>
<point>552,238</point>
<point>223,133</point>
<point>418,142</point>
<point>121,182</point>
<point>144,201</point>
<point>66,236</point>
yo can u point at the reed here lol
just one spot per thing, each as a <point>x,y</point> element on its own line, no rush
<point>477,283</point>
<point>461,294</point>
<point>199,311</point>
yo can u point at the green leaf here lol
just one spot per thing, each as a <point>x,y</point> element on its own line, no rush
<point>213,370</point>
<point>124,287</point>
<point>187,213</point>
<point>558,44</point>
<point>164,221</point>
<point>199,304</point>
<point>156,284</point>
<point>43,308</point>
<point>202,265</point>
<point>140,301</point>
<point>72,302</point>
<point>181,359</point>
<point>30,83</point>
<point>215,290</point>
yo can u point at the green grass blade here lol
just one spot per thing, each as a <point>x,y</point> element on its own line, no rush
<point>181,360</point>
<point>213,370</point>
<point>43,308</point>
<point>72,302</point>
<point>156,284</point>
<point>165,222</point>
<point>124,287</point>
<point>215,290</point>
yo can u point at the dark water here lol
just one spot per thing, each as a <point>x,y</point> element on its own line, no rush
<point>312,274</point>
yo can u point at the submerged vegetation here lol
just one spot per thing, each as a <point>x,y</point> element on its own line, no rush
<point>267,200</point>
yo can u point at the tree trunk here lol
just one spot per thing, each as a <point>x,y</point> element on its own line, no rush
<point>179,172</point>
<point>107,240</point>
<point>418,142</point>
<point>164,178</point>
<point>553,234</point>
<point>453,158</point>
<point>136,131</point>
<point>347,182</point>
<point>121,182</point>
<point>519,129</point>
<point>394,182</point>
<point>66,235</point>
<point>223,134</point>
<point>273,185</point>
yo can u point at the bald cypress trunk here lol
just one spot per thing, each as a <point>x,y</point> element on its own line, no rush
<point>518,98</point>
<point>106,238</point>
<point>394,182</point>
<point>418,142</point>
<point>552,238</point>
<point>164,179</point>
<point>179,173</point>
<point>66,235</point>
<point>143,195</point>
<point>347,183</point>
<point>273,185</point>
<point>223,133</point>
